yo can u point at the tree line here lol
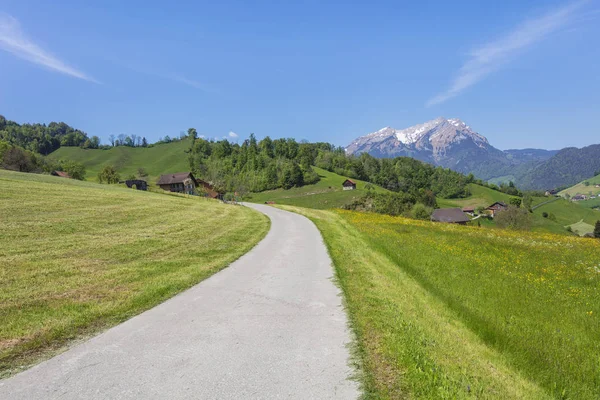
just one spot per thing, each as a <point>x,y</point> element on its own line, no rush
<point>256,166</point>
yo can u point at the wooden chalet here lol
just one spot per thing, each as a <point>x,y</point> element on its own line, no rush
<point>450,216</point>
<point>185,182</point>
<point>497,206</point>
<point>348,185</point>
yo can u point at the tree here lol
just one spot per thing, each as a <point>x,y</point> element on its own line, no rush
<point>193,134</point>
<point>17,159</point>
<point>513,218</point>
<point>421,211</point>
<point>74,169</point>
<point>597,230</point>
<point>515,201</point>
<point>144,142</point>
<point>527,201</point>
<point>111,139</point>
<point>142,172</point>
<point>109,175</point>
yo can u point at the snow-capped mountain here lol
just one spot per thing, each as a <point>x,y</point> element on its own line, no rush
<point>449,143</point>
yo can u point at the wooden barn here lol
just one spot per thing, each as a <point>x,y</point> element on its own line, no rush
<point>450,216</point>
<point>61,174</point>
<point>348,185</point>
<point>180,182</point>
<point>497,206</point>
<point>185,182</point>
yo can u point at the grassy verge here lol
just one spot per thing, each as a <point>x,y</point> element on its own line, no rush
<point>76,257</point>
<point>444,311</point>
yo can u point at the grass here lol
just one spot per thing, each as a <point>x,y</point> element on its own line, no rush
<point>480,196</point>
<point>581,228</point>
<point>569,213</point>
<point>327,193</point>
<point>159,159</point>
<point>443,311</point>
<point>581,188</point>
<point>78,257</point>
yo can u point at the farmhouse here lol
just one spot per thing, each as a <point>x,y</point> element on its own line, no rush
<point>469,210</point>
<point>450,216</point>
<point>348,185</point>
<point>61,174</point>
<point>185,182</point>
<point>497,206</point>
<point>579,197</point>
<point>551,192</point>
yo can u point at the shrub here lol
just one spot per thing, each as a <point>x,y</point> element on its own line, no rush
<point>597,230</point>
<point>109,175</point>
<point>513,218</point>
<point>545,214</point>
<point>421,211</point>
<point>74,169</point>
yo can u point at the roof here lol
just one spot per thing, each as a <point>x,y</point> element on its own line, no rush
<point>468,209</point>
<point>178,177</point>
<point>453,215</point>
<point>62,174</point>
<point>348,181</point>
<point>498,203</point>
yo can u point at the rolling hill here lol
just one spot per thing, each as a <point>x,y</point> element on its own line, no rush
<point>156,160</point>
<point>327,193</point>
<point>583,188</point>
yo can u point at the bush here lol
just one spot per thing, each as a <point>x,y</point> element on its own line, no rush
<point>74,169</point>
<point>552,217</point>
<point>109,175</point>
<point>421,211</point>
<point>597,230</point>
<point>513,218</point>
<point>545,214</point>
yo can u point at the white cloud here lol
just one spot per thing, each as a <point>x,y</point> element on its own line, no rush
<point>234,135</point>
<point>186,81</point>
<point>13,40</point>
<point>492,56</point>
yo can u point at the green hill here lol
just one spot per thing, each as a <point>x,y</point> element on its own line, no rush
<point>327,193</point>
<point>156,160</point>
<point>78,257</point>
<point>585,187</point>
<point>480,196</point>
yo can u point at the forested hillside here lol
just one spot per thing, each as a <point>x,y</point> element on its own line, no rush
<point>256,166</point>
<point>568,167</point>
<point>44,139</point>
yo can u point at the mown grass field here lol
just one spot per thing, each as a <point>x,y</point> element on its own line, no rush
<point>480,196</point>
<point>568,213</point>
<point>444,311</point>
<point>159,159</point>
<point>327,193</point>
<point>581,188</point>
<point>78,257</point>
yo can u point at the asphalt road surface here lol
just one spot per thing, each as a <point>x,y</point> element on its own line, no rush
<point>270,326</point>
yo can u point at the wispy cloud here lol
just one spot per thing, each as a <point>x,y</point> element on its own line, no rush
<point>233,135</point>
<point>186,81</point>
<point>14,40</point>
<point>492,56</point>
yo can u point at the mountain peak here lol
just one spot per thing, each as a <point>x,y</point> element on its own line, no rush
<point>433,139</point>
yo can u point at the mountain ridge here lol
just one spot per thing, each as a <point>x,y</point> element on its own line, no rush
<point>451,143</point>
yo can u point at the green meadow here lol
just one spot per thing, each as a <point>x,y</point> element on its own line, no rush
<point>327,193</point>
<point>156,160</point>
<point>444,311</point>
<point>78,257</point>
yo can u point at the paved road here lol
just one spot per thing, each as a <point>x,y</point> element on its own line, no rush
<point>270,326</point>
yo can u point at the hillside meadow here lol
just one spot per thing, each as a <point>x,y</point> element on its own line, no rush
<point>78,257</point>
<point>443,311</point>
<point>326,193</point>
<point>158,159</point>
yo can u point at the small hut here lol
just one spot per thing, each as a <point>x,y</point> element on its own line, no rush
<point>348,185</point>
<point>450,216</point>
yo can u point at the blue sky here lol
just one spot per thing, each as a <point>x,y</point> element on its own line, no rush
<point>524,74</point>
